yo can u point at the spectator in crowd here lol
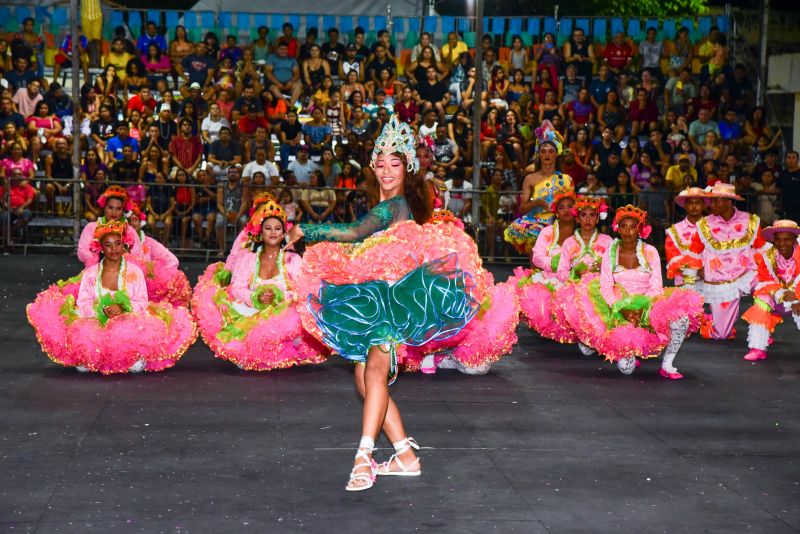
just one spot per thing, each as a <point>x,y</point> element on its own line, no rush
<point>58,169</point>
<point>224,152</point>
<point>433,93</point>
<point>618,55</point>
<point>457,199</point>
<point>452,49</point>
<point>143,102</point>
<point>21,76</point>
<point>63,58</point>
<point>676,178</point>
<point>151,37</point>
<point>103,129</point>
<point>185,148</point>
<point>198,68</point>
<point>204,212</point>
<point>115,145</point>
<point>231,208</point>
<point>579,53</point>
<point>656,199</point>
<point>789,184</point>
<point>651,51</point>
<point>701,126</point>
<point>318,204</point>
<point>581,113</point>
<point>283,74</point>
<point>302,167</point>
<point>20,199</point>
<point>608,172</point>
<point>260,164</point>
<point>643,114</point>
<point>679,90</point>
<point>601,86</point>
<point>317,133</point>
<point>333,50</point>
<point>26,98</point>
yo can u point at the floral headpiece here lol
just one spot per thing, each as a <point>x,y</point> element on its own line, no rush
<point>596,203</point>
<point>397,138</point>
<point>136,210</point>
<point>115,191</point>
<point>266,210</point>
<point>426,141</point>
<point>546,133</point>
<point>260,199</point>
<point>633,212</point>
<point>561,194</point>
<point>440,216</point>
<point>104,229</point>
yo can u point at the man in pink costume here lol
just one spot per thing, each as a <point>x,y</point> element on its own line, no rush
<point>723,250</point>
<point>775,293</point>
<point>679,237</point>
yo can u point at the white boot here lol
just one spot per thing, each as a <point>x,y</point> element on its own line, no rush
<point>626,366</point>
<point>81,369</point>
<point>677,333</point>
<point>137,367</point>
<point>586,350</point>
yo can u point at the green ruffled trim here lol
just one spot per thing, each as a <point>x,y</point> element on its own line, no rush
<point>74,280</point>
<point>110,299</point>
<point>612,316</point>
<point>162,314</point>
<point>527,280</point>
<point>68,310</point>
<point>762,305</point>
<point>554,262</point>
<point>260,290</point>
<point>236,326</point>
<point>223,277</point>
<point>577,272</point>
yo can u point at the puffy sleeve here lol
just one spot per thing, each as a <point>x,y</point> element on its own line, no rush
<point>379,218</point>
<point>607,278</point>
<point>568,251</point>
<point>136,288</point>
<point>540,257</point>
<point>161,255</point>
<point>242,274</point>
<point>132,238</point>
<point>656,284</point>
<point>767,284</point>
<point>670,248</point>
<point>760,244</point>
<point>85,253</point>
<point>292,262</point>
<point>87,292</point>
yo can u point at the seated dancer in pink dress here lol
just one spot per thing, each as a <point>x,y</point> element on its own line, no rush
<point>776,293</point>
<point>536,287</point>
<point>240,246</point>
<point>115,203</point>
<point>165,281</point>
<point>248,315</point>
<point>110,327</point>
<point>579,262</point>
<point>627,314</point>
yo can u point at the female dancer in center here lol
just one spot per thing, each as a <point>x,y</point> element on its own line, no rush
<point>249,315</point>
<point>627,313</point>
<point>371,295</point>
<point>115,202</point>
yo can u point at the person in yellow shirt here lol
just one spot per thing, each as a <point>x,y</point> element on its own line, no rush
<point>678,175</point>
<point>118,57</point>
<point>452,49</point>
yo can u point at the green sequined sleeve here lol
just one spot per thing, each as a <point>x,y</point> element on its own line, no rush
<point>379,218</point>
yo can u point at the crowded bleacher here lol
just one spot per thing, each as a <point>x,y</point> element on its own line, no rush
<point>194,124</point>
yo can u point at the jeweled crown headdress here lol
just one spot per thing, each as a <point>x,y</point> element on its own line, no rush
<point>546,133</point>
<point>588,201</point>
<point>397,138</point>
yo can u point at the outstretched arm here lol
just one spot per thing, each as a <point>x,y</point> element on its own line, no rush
<point>379,218</point>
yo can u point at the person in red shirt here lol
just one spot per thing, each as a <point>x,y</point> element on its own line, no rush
<point>144,102</point>
<point>247,124</point>
<point>186,149</point>
<point>21,196</point>
<point>643,114</point>
<point>618,54</point>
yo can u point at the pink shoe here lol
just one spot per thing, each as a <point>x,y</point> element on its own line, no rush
<point>638,363</point>
<point>770,341</point>
<point>755,355</point>
<point>672,376</point>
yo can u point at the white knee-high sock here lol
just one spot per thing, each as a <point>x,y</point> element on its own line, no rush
<point>677,333</point>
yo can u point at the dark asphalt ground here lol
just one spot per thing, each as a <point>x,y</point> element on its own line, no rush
<point>549,441</point>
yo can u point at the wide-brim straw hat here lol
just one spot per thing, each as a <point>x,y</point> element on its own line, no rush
<point>783,226</point>
<point>692,192</point>
<point>723,190</point>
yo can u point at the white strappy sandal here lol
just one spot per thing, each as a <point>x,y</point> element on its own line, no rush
<point>401,447</point>
<point>368,479</point>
